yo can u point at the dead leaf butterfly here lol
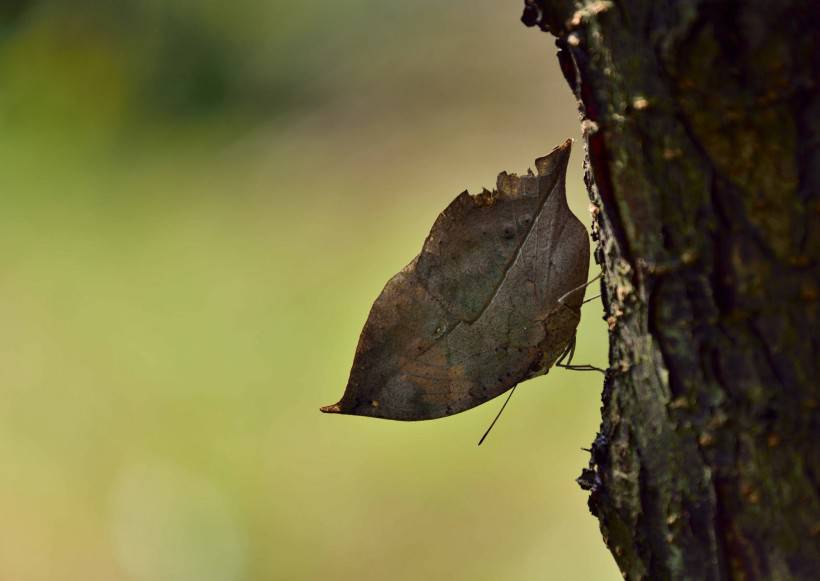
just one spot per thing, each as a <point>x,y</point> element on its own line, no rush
<point>478,310</point>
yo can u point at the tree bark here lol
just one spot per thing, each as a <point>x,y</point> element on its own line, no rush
<point>702,128</point>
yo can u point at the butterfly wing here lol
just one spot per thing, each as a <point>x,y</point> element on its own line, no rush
<point>476,311</point>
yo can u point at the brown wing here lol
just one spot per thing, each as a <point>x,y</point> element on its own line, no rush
<point>476,311</point>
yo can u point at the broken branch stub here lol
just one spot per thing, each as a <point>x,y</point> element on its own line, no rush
<point>477,311</point>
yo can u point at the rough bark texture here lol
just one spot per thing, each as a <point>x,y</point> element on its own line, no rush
<point>702,124</point>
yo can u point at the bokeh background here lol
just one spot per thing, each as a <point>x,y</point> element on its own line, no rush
<point>199,201</point>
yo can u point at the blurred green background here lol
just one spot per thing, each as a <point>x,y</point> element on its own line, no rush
<point>199,201</point>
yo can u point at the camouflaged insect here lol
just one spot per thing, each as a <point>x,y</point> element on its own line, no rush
<point>477,311</point>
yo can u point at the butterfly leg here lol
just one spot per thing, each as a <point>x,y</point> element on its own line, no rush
<point>568,354</point>
<point>590,299</point>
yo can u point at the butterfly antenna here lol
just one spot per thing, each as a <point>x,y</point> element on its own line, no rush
<point>498,415</point>
<point>576,289</point>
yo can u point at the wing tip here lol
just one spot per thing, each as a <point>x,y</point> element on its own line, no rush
<point>331,409</point>
<point>557,159</point>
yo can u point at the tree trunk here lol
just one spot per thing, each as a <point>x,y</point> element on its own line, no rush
<point>702,126</point>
